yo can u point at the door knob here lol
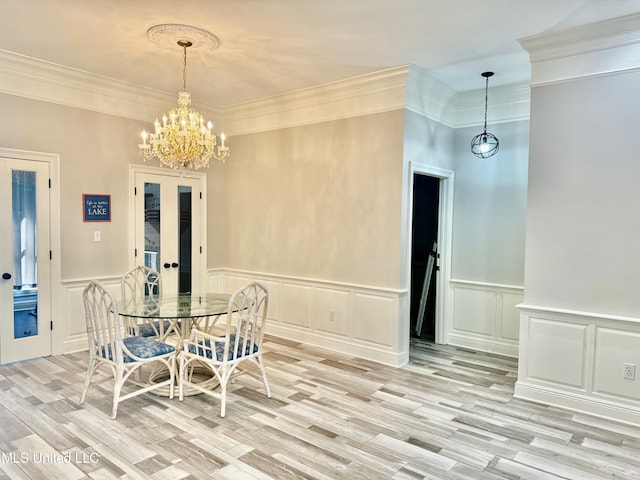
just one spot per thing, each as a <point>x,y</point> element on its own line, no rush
<point>6,276</point>
<point>167,265</point>
<point>174,265</point>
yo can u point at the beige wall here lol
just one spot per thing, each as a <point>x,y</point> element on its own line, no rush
<point>95,151</point>
<point>321,201</point>
<point>582,220</point>
<point>491,206</point>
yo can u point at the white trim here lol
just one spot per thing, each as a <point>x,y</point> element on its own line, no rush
<point>53,159</point>
<point>599,48</point>
<point>600,407</point>
<point>484,285</point>
<point>524,307</point>
<point>201,177</point>
<point>497,330</point>
<point>365,317</point>
<point>507,103</point>
<point>309,280</point>
<point>593,37</point>
<point>445,227</point>
<point>431,98</point>
<point>339,344</point>
<point>41,80</point>
<point>396,88</point>
<point>367,94</point>
<point>580,369</point>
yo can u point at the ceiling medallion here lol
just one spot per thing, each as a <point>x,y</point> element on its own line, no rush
<point>167,35</point>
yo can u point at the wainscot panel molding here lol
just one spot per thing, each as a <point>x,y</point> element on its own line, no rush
<point>575,360</point>
<point>74,324</point>
<point>599,48</point>
<point>356,320</point>
<point>485,317</point>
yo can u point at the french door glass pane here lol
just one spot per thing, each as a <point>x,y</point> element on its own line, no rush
<point>25,260</point>
<point>184,239</point>
<point>152,225</point>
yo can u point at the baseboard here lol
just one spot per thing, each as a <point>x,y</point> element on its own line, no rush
<point>490,345</point>
<point>340,345</point>
<point>587,404</point>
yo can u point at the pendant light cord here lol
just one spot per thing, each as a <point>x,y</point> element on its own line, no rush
<point>486,99</point>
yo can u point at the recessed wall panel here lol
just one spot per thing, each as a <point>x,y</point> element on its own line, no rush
<point>374,319</point>
<point>295,308</point>
<point>557,351</point>
<point>474,311</point>
<point>614,349</point>
<point>332,311</point>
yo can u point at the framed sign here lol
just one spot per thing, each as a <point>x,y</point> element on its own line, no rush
<point>96,208</point>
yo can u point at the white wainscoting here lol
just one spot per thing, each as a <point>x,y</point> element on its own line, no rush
<point>75,334</point>
<point>355,320</point>
<point>352,319</point>
<point>575,360</point>
<point>485,317</point>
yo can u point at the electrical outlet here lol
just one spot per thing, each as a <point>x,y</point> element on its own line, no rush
<point>629,372</point>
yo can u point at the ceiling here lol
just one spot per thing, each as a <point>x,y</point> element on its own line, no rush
<point>268,47</point>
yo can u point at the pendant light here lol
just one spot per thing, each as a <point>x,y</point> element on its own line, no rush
<point>485,144</point>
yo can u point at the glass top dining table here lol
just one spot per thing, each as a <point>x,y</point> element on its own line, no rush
<point>180,306</point>
<point>176,314</point>
<point>173,317</point>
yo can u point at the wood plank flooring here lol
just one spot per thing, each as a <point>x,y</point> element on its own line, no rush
<point>449,414</point>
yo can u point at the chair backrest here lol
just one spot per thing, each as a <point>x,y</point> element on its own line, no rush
<point>103,322</point>
<point>246,318</point>
<point>139,282</point>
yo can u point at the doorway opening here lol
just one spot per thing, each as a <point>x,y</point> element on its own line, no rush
<point>424,256</point>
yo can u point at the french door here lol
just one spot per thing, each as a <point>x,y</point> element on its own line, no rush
<point>168,229</point>
<point>25,319</point>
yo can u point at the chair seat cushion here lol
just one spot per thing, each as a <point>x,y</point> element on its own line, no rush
<point>145,347</point>
<point>219,348</point>
<point>147,330</point>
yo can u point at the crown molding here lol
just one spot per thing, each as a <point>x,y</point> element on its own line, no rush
<point>430,98</point>
<point>507,103</point>
<point>598,48</point>
<point>40,80</point>
<point>404,87</point>
<point>376,92</point>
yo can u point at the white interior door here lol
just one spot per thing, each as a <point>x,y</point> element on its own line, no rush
<point>168,229</point>
<point>25,319</point>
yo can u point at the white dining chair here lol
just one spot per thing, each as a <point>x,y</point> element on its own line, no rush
<point>115,347</point>
<point>238,342</point>
<point>137,284</point>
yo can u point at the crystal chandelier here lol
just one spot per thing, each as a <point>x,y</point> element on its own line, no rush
<point>183,140</point>
<point>485,144</point>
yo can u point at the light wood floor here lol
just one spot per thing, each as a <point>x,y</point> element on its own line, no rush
<point>448,414</point>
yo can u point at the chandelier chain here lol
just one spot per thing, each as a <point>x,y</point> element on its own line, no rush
<point>184,70</point>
